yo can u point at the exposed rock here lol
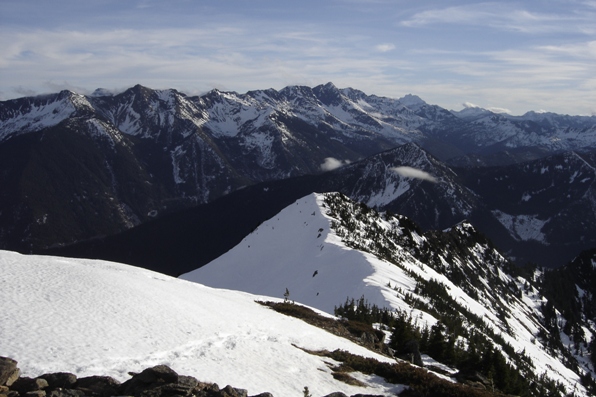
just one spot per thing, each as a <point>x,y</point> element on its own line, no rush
<point>188,381</point>
<point>66,393</point>
<point>8,371</point>
<point>62,380</point>
<point>154,378</point>
<point>101,386</point>
<point>159,373</point>
<point>24,385</point>
<point>158,381</point>
<point>230,391</point>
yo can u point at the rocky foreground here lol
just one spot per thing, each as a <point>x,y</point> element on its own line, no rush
<point>158,381</point>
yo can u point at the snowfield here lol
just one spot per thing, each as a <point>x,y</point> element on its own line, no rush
<point>101,318</point>
<point>299,250</point>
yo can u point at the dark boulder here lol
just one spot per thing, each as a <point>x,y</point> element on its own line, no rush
<point>230,391</point>
<point>150,378</point>
<point>159,373</point>
<point>64,380</point>
<point>24,385</point>
<point>8,371</point>
<point>100,386</point>
<point>66,393</point>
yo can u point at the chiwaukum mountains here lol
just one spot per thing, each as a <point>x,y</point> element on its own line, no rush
<point>500,207</point>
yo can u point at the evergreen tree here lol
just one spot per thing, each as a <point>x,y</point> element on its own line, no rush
<point>436,342</point>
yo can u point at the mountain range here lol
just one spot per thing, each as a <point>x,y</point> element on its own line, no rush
<point>78,168</point>
<point>460,242</point>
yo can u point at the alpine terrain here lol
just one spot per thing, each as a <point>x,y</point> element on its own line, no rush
<point>78,167</point>
<point>438,313</point>
<point>316,241</point>
<point>454,296</point>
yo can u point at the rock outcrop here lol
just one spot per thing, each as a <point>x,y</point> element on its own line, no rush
<point>158,381</point>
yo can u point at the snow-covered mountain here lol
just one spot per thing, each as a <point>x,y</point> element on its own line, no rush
<point>326,248</point>
<point>546,131</point>
<point>535,212</point>
<point>78,167</point>
<point>545,209</point>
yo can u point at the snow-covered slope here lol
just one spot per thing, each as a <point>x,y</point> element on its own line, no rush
<point>286,252</point>
<point>102,318</point>
<point>33,114</point>
<point>325,248</point>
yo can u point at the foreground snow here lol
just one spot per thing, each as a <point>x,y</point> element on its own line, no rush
<point>102,318</point>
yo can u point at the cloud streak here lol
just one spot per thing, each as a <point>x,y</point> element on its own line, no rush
<point>410,172</point>
<point>332,163</point>
<point>504,17</point>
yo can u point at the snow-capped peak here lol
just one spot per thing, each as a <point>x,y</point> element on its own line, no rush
<point>471,112</point>
<point>100,92</point>
<point>412,101</point>
<point>36,113</point>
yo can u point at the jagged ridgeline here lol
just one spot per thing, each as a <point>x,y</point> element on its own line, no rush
<point>78,167</point>
<point>467,264</point>
<point>449,295</point>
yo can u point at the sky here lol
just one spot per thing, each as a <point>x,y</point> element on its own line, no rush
<point>512,56</point>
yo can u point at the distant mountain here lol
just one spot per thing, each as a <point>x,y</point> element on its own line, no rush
<point>531,214</point>
<point>324,248</point>
<point>77,167</point>
<point>547,206</point>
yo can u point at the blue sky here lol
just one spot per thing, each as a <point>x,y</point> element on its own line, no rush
<point>513,55</point>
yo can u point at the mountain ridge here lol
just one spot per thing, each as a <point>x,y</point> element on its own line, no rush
<point>122,160</point>
<point>528,227</point>
<point>325,246</point>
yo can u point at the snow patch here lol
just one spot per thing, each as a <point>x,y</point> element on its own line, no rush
<point>523,227</point>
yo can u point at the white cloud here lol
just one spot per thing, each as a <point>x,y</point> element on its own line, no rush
<point>499,110</point>
<point>410,172</point>
<point>333,163</point>
<point>385,47</point>
<point>468,105</point>
<point>505,17</point>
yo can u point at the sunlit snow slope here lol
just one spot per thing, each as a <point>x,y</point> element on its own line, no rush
<point>101,318</point>
<point>324,256</point>
<point>298,251</point>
